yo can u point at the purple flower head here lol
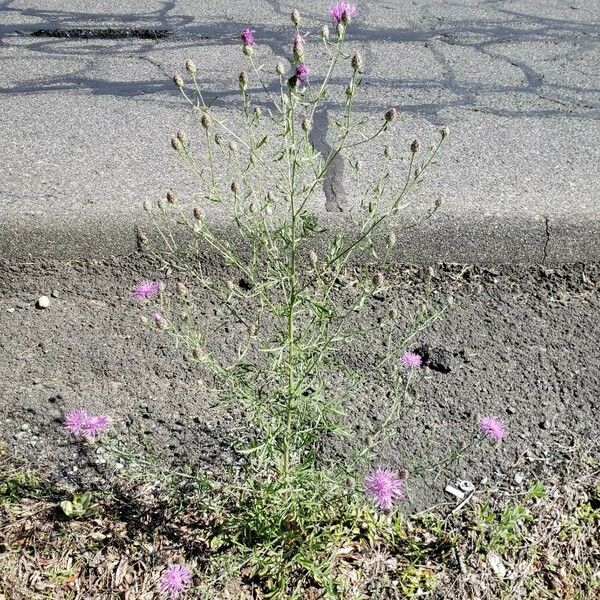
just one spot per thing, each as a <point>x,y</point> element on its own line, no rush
<point>175,580</point>
<point>342,11</point>
<point>75,421</point>
<point>95,425</point>
<point>385,487</point>
<point>248,37</point>
<point>411,360</point>
<point>302,73</point>
<point>493,428</point>
<point>145,290</point>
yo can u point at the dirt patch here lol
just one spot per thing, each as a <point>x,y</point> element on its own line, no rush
<point>518,342</point>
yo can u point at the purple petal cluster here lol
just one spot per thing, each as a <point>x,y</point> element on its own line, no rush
<point>247,36</point>
<point>302,73</point>
<point>342,11</point>
<point>79,422</point>
<point>146,290</point>
<point>493,428</point>
<point>175,580</point>
<point>411,360</point>
<point>384,487</point>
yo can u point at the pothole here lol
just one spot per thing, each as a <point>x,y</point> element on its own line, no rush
<point>104,33</point>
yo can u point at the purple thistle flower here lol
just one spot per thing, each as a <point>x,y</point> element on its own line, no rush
<point>248,37</point>
<point>75,421</point>
<point>411,360</point>
<point>175,580</point>
<point>342,10</point>
<point>302,73</point>
<point>493,428</point>
<point>145,290</point>
<point>385,487</point>
<point>95,425</point>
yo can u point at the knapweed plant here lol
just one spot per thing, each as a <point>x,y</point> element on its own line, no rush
<point>286,510</point>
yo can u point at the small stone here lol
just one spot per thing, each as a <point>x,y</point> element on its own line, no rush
<point>511,410</point>
<point>449,489</point>
<point>545,424</point>
<point>43,302</point>
<point>519,478</point>
<point>23,304</point>
<point>54,293</point>
<point>11,310</point>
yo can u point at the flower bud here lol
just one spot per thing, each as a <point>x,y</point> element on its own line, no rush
<point>206,121</point>
<point>445,132</point>
<point>161,204</point>
<point>177,80</point>
<point>325,33</point>
<point>293,82</point>
<point>346,17</point>
<point>414,147</point>
<point>257,112</point>
<point>387,151</point>
<point>190,67</point>
<point>357,62</point>
<point>159,321</point>
<point>313,257</point>
<point>378,279</point>
<point>306,125</point>
<point>198,214</point>
<point>296,17</point>
<point>181,289</point>
<point>279,69</point>
<point>248,50</point>
<point>171,199</point>
<point>218,139</point>
<point>439,202</point>
<point>253,208</point>
<point>198,353</point>
<point>147,205</point>
<point>181,136</point>
<point>175,143</point>
<point>235,188</point>
<point>349,91</point>
<point>232,146</point>
<point>391,239</point>
<point>142,239</point>
<point>390,115</point>
<point>340,28</point>
<point>243,81</point>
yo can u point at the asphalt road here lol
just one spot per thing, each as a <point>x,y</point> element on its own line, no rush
<point>85,123</point>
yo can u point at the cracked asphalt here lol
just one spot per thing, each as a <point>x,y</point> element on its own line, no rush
<point>85,123</point>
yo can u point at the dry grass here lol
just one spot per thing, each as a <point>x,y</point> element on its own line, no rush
<point>504,544</point>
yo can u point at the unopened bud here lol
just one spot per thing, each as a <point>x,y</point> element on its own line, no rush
<point>142,238</point>
<point>296,17</point>
<point>181,136</point>
<point>349,91</point>
<point>198,214</point>
<point>270,197</point>
<point>306,125</point>
<point>414,147</point>
<point>359,165</point>
<point>198,353</point>
<point>232,146</point>
<point>390,115</point>
<point>257,112</point>
<point>346,17</point>
<point>340,28</point>
<point>387,151</point>
<point>391,239</point>
<point>313,257</point>
<point>171,199</point>
<point>147,205</point>
<point>378,279</point>
<point>357,62</point>
<point>190,67</point>
<point>206,121</point>
<point>253,208</point>
<point>248,50</point>
<point>218,140</point>
<point>161,204</point>
<point>439,202</point>
<point>325,33</point>
<point>243,81</point>
<point>279,69</point>
<point>177,80</point>
<point>181,289</point>
<point>175,143</point>
<point>160,321</point>
<point>445,132</point>
<point>293,82</point>
<point>235,188</point>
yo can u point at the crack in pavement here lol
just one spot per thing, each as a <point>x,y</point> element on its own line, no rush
<point>547,241</point>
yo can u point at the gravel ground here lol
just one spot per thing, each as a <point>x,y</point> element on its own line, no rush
<point>518,342</point>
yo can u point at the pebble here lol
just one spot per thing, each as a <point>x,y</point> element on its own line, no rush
<point>23,304</point>
<point>511,410</point>
<point>519,478</point>
<point>54,293</point>
<point>43,302</point>
<point>10,310</point>
<point>545,424</point>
